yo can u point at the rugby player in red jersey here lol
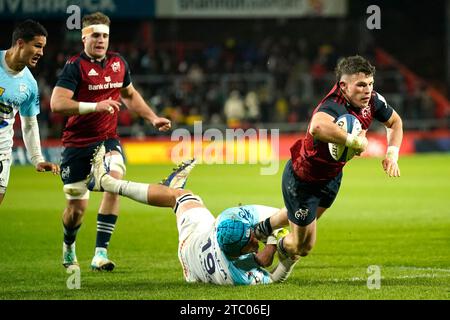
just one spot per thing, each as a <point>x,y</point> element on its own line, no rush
<point>89,91</point>
<point>312,178</point>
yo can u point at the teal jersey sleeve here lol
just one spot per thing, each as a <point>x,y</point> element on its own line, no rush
<point>30,107</point>
<point>246,271</point>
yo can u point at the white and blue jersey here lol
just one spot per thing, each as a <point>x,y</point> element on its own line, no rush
<point>201,257</point>
<point>18,93</point>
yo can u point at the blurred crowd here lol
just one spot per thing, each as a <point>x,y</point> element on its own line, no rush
<point>232,80</point>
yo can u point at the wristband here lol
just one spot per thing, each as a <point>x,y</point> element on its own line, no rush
<point>355,142</point>
<point>37,159</point>
<point>350,140</point>
<point>392,153</point>
<point>86,107</point>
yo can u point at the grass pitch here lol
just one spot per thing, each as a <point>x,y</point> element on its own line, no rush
<point>400,225</point>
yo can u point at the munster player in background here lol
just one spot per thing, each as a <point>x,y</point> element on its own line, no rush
<point>89,90</point>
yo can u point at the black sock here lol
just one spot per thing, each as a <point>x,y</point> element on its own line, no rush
<point>268,228</point>
<point>105,228</point>
<point>280,247</point>
<point>70,234</point>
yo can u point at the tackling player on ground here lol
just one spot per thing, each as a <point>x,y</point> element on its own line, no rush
<point>89,91</point>
<point>19,93</point>
<point>222,250</point>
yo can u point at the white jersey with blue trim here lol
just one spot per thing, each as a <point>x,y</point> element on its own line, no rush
<point>18,93</point>
<point>209,264</point>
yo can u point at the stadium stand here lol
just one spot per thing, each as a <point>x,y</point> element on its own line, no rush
<point>267,73</point>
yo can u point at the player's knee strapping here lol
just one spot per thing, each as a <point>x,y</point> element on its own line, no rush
<point>185,199</point>
<point>5,162</point>
<point>115,163</point>
<point>76,191</point>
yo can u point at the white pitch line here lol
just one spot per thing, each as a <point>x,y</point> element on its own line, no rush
<point>414,276</point>
<point>424,269</point>
<point>432,273</point>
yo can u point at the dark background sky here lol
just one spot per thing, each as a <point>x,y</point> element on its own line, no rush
<point>412,30</point>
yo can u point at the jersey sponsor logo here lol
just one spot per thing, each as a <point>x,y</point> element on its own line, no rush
<point>23,87</point>
<point>2,90</point>
<point>301,214</point>
<point>244,214</point>
<point>92,73</point>
<point>366,113</point>
<point>116,66</point>
<point>5,108</point>
<point>105,86</point>
<point>108,79</point>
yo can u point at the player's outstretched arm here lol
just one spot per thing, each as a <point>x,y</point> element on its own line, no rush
<point>324,128</point>
<point>31,138</point>
<point>48,166</point>
<point>394,132</point>
<point>265,257</point>
<point>62,102</point>
<point>134,101</point>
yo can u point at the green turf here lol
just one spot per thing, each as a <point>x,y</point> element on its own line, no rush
<point>401,225</point>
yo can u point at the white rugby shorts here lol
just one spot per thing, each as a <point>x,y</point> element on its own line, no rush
<point>5,168</point>
<point>193,225</point>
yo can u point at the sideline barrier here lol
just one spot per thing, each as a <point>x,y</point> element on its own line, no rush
<point>164,151</point>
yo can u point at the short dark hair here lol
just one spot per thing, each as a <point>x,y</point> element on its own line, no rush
<point>353,65</point>
<point>27,30</point>
<point>95,18</point>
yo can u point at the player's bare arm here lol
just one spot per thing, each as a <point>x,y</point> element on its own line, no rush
<point>394,133</point>
<point>48,166</point>
<point>134,101</point>
<point>265,257</point>
<point>31,138</point>
<point>62,102</point>
<point>324,128</point>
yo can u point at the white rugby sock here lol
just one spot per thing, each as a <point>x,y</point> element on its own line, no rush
<point>133,190</point>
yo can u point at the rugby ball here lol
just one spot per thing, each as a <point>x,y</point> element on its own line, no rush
<point>350,124</point>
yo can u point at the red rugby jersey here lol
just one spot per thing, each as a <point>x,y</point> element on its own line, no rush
<point>311,157</point>
<point>93,81</point>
